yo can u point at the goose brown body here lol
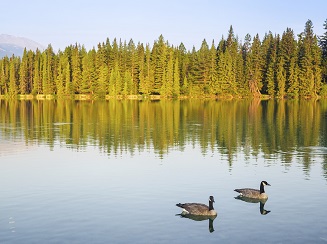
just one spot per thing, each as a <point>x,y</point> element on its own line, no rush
<point>254,193</point>
<point>198,208</point>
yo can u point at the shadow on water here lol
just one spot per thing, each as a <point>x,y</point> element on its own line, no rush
<point>262,203</point>
<point>200,218</point>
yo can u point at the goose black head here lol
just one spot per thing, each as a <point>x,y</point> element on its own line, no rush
<point>265,183</point>
<point>211,199</point>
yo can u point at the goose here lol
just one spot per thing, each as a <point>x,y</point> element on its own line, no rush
<point>198,208</point>
<point>254,193</point>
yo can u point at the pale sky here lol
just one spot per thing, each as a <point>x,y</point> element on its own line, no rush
<point>65,22</point>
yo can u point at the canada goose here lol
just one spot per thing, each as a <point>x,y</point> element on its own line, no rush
<point>254,193</point>
<point>198,208</point>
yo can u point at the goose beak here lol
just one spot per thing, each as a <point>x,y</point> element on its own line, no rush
<point>268,184</point>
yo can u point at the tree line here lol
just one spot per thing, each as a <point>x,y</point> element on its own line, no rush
<point>276,66</point>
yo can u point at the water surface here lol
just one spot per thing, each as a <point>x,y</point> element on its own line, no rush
<point>112,172</point>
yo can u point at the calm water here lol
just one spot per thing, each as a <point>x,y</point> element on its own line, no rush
<point>112,172</point>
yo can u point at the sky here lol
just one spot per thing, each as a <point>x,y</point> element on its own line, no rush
<point>65,22</point>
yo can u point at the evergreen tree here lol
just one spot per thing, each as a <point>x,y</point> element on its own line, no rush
<point>280,78</point>
<point>203,64</point>
<point>254,67</point>
<point>168,82</point>
<point>60,76</point>
<point>212,75</point>
<point>309,72</point>
<point>176,85</point>
<point>69,88</point>
<point>89,75</point>
<point>185,87</point>
<point>48,70</point>
<point>183,61</point>
<point>76,68</point>
<point>288,51</point>
<point>103,80</point>
<point>159,62</point>
<point>147,85</point>
<point>323,46</point>
<point>23,75</point>
<point>13,77</point>
<point>4,75</point>
<point>115,82</point>
<point>132,64</point>
<point>140,70</point>
<point>37,74</point>
<point>127,84</point>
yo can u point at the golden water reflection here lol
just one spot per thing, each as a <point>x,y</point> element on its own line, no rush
<point>275,129</point>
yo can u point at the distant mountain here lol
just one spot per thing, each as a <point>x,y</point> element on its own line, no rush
<point>10,45</point>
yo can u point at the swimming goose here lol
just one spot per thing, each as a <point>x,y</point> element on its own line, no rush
<point>254,193</point>
<point>198,208</point>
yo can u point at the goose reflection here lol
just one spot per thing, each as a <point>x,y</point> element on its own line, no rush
<point>200,218</point>
<point>252,200</point>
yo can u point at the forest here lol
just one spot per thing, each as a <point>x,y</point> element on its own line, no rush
<point>275,66</point>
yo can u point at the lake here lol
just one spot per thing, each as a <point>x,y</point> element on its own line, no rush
<point>113,171</point>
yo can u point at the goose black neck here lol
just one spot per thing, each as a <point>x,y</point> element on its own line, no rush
<point>211,205</point>
<point>262,188</point>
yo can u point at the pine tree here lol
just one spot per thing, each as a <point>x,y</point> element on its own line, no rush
<point>203,64</point>
<point>60,77</point>
<point>23,75</point>
<point>37,74</point>
<point>293,81</point>
<point>254,67</point>
<point>183,61</point>
<point>48,70</point>
<point>212,75</point>
<point>316,66</point>
<point>140,70</point>
<point>76,68</point>
<point>309,62</point>
<point>115,82</point>
<point>13,77</point>
<point>132,64</point>
<point>69,88</point>
<point>245,56</point>
<point>176,85</point>
<point>323,46</point>
<point>4,75</point>
<point>127,84</point>
<point>288,50</point>
<point>185,87</point>
<point>280,78</point>
<point>147,85</point>
<point>89,72</point>
<point>159,62</point>
<point>103,80</point>
<point>169,77</point>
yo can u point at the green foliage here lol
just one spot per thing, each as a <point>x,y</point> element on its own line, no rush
<point>323,46</point>
<point>275,66</point>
